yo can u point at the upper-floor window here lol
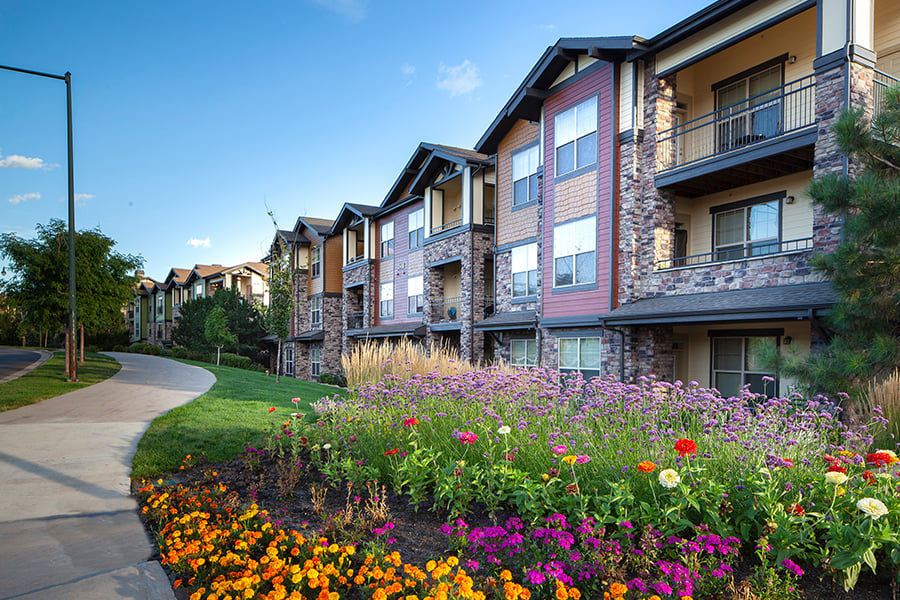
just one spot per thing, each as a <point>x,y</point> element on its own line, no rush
<point>749,106</point>
<point>736,363</point>
<point>315,311</point>
<point>574,252</point>
<point>416,228</point>
<point>575,137</point>
<point>415,295</point>
<point>315,261</point>
<point>386,300</point>
<point>744,231</point>
<point>524,271</point>
<point>160,306</point>
<point>198,289</point>
<point>580,354</point>
<point>523,353</point>
<point>524,174</point>
<point>387,239</point>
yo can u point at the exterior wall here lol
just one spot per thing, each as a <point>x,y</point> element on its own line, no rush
<point>332,263</point>
<point>574,194</point>
<point>610,347</point>
<point>360,275</point>
<point>514,224</point>
<point>404,263</point>
<point>332,307</point>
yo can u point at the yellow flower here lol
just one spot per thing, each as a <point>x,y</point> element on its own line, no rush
<point>570,459</point>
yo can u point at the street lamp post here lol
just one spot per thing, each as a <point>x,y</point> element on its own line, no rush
<point>71,362</point>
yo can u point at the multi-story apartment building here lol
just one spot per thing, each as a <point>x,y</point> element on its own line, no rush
<point>138,313</point>
<point>314,344</point>
<point>652,214</point>
<point>420,264</point>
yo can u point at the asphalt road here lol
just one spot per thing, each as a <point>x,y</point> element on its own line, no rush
<point>15,359</point>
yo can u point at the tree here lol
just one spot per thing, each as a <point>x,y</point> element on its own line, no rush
<point>865,268</point>
<point>281,295</point>
<point>39,287</point>
<point>217,332</point>
<point>242,319</point>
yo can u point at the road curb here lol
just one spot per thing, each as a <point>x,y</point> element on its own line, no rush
<point>45,356</point>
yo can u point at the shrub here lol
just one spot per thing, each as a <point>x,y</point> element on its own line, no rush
<point>329,379</point>
<point>120,348</point>
<point>228,359</point>
<point>139,348</point>
<point>182,352</point>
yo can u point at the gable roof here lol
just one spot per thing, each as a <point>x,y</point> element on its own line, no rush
<point>178,276</point>
<point>351,212</point>
<point>439,155</point>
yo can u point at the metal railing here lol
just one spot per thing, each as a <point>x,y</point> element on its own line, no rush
<point>446,226</point>
<point>762,117</point>
<point>883,81</point>
<point>354,259</point>
<point>356,320</point>
<point>447,309</point>
<point>758,250</point>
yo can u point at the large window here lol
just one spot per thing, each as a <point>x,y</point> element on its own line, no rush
<point>747,230</point>
<point>580,354</point>
<point>315,360</point>
<point>387,239</point>
<point>315,311</point>
<point>575,135</point>
<point>160,307</point>
<point>523,353</point>
<point>524,174</point>
<point>416,228</point>
<point>415,295</point>
<point>386,300</point>
<point>749,107</point>
<point>735,362</point>
<point>289,361</point>
<point>574,252</point>
<point>315,261</point>
<point>524,271</point>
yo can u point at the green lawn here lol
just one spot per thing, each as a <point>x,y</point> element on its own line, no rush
<point>223,421</point>
<point>49,380</point>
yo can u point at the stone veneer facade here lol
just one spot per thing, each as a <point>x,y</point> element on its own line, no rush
<point>360,274</point>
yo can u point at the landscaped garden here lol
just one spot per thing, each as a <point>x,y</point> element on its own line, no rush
<point>522,484</point>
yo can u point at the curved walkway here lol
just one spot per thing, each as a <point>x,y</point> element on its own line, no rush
<point>69,526</point>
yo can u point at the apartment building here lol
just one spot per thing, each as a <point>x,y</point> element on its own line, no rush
<point>138,312</point>
<point>420,264</point>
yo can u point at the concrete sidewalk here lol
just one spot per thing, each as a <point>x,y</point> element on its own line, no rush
<point>69,528</point>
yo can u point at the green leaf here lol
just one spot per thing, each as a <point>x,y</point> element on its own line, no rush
<point>869,558</point>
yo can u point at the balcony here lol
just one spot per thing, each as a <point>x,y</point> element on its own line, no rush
<point>750,251</point>
<point>765,136</point>
<point>447,310</point>
<point>883,81</point>
<point>356,320</point>
<point>445,226</point>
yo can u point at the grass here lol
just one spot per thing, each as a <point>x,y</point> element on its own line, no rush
<point>49,380</point>
<point>233,414</point>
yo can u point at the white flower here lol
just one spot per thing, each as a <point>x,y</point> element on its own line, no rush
<point>836,477</point>
<point>872,507</point>
<point>669,478</point>
<point>326,447</point>
<point>504,430</point>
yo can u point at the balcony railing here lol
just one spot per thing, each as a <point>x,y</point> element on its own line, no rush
<point>176,311</point>
<point>883,81</point>
<point>446,226</point>
<point>753,250</point>
<point>446,310</point>
<point>354,259</point>
<point>356,320</point>
<point>762,117</point>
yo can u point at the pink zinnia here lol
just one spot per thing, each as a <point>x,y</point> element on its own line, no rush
<point>582,458</point>
<point>558,449</point>
<point>468,437</point>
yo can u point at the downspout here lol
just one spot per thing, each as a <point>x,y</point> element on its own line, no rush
<point>614,192</point>
<point>621,333</point>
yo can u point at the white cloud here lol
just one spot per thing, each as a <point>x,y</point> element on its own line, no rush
<point>14,161</point>
<point>408,70</point>
<point>355,10</point>
<point>458,80</point>
<point>24,198</point>
<point>83,198</point>
<point>198,243</point>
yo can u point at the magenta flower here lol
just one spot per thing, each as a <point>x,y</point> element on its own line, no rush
<point>582,458</point>
<point>468,437</point>
<point>560,450</point>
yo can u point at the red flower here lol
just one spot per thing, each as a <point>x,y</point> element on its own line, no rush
<point>271,410</point>
<point>468,437</point>
<point>795,509</point>
<point>410,422</point>
<point>684,447</point>
<point>392,451</point>
<point>829,458</point>
<point>867,475</point>
<point>788,463</point>
<point>837,469</point>
<point>879,459</point>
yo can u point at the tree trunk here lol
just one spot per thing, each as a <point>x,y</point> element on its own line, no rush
<point>278,362</point>
<point>218,354</point>
<point>66,369</point>
<point>82,344</point>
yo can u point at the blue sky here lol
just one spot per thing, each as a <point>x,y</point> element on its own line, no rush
<point>192,117</point>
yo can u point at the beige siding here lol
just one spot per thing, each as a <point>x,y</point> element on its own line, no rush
<point>795,37</point>
<point>728,28</point>
<point>626,97</point>
<point>386,270</point>
<point>887,36</point>
<point>416,263</point>
<point>513,226</point>
<point>796,221</point>
<point>576,197</point>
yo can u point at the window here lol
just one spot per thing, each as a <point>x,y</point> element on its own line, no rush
<point>416,228</point>
<point>580,355</point>
<point>289,361</point>
<point>415,295</point>
<point>574,256</point>
<point>387,300</point>
<point>198,290</point>
<point>315,261</point>
<point>575,134</point>
<point>523,353</point>
<point>736,363</point>
<point>749,107</point>
<point>524,175</point>
<point>160,307</point>
<point>315,360</point>
<point>315,311</point>
<point>747,230</point>
<point>387,239</point>
<point>524,271</point>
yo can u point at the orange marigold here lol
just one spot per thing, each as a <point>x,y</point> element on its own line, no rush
<point>646,466</point>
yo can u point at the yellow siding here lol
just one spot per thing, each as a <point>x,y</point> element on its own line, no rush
<point>726,29</point>
<point>452,281</point>
<point>796,221</point>
<point>626,96</point>
<point>795,37</point>
<point>887,36</point>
